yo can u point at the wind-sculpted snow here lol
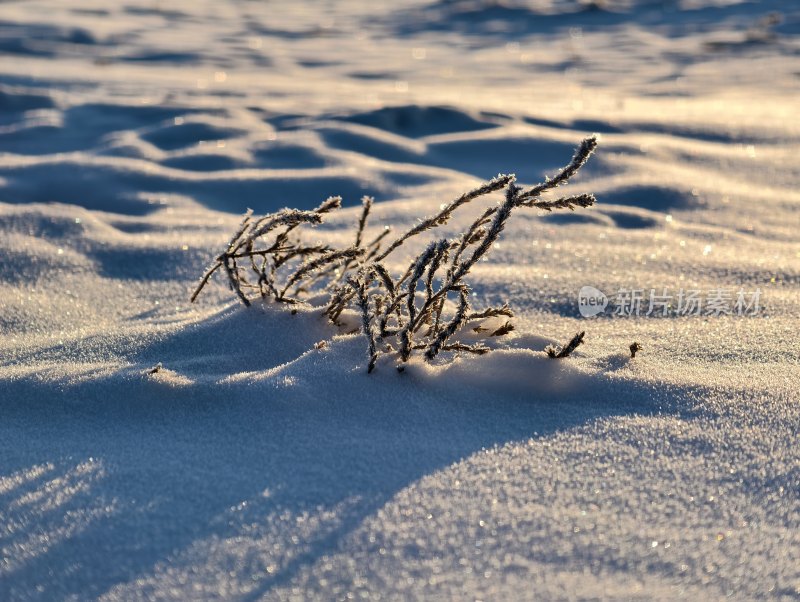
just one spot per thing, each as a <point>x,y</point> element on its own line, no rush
<point>153,449</point>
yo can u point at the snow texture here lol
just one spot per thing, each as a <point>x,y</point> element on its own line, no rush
<point>153,449</point>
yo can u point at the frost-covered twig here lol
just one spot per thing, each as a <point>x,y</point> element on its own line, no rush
<point>567,349</point>
<point>579,159</point>
<point>319,263</point>
<point>568,202</point>
<point>267,245</point>
<point>367,319</point>
<point>413,312</point>
<point>441,218</point>
<point>455,324</point>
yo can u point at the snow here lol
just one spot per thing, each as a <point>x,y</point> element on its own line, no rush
<point>257,463</point>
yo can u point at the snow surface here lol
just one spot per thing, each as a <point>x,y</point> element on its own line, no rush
<point>254,465</point>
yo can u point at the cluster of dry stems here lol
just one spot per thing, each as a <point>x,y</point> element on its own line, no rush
<point>426,307</point>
